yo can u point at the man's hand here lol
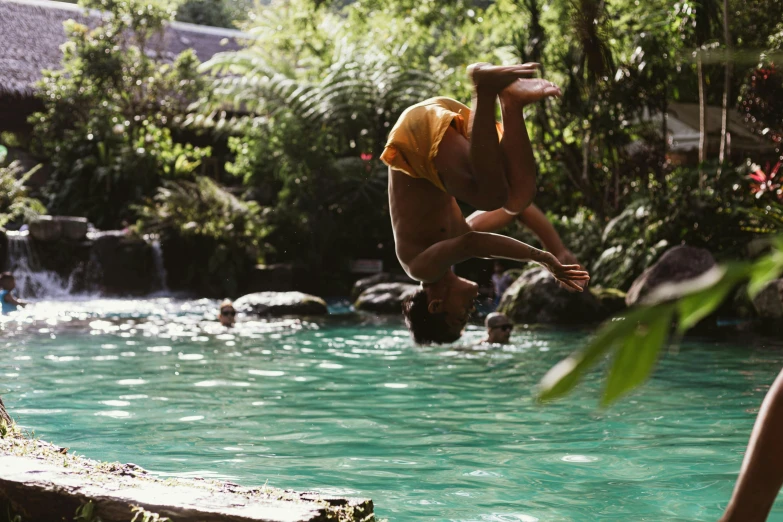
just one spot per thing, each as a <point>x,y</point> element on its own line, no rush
<point>571,277</point>
<point>566,257</point>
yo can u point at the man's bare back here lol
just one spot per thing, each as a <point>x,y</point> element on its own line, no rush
<point>421,216</point>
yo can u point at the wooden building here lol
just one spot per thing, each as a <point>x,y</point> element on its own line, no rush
<point>31,34</point>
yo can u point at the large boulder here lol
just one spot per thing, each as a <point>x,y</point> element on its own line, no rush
<point>537,298</point>
<point>768,303</point>
<point>384,277</point>
<point>385,298</point>
<point>276,304</point>
<point>678,264</point>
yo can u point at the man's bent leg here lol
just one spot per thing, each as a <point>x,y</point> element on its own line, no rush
<point>520,162</point>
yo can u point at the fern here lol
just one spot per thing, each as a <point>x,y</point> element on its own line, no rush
<point>15,204</point>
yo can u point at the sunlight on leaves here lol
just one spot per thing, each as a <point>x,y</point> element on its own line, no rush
<point>695,307</point>
<point>635,358</point>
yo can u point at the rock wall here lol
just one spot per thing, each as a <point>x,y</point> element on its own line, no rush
<point>123,265</point>
<point>3,250</point>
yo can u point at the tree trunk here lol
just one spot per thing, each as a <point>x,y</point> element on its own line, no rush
<point>4,417</point>
<point>702,119</point>
<point>726,85</point>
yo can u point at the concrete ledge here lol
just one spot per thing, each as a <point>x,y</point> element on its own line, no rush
<point>42,483</point>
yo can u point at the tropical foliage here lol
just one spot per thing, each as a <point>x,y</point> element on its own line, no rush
<point>15,203</point>
<point>217,233</point>
<point>635,339</point>
<point>306,106</point>
<point>106,124</point>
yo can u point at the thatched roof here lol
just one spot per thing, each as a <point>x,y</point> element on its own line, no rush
<point>31,33</point>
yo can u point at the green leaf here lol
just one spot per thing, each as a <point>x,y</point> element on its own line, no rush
<point>765,270</point>
<point>694,307</point>
<point>565,375</point>
<point>635,359</point>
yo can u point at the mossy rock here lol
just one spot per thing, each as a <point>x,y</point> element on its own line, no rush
<point>536,298</point>
<point>612,300</point>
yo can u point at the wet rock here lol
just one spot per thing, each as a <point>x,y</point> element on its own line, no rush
<point>122,265</point>
<point>678,264</point>
<point>73,228</point>
<point>363,284</point>
<point>67,259</point>
<point>277,304</point>
<point>536,298</point>
<point>54,228</point>
<point>46,228</point>
<point>3,250</point>
<point>768,303</point>
<point>384,298</point>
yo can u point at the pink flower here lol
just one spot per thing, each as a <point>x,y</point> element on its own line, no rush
<point>764,182</point>
<point>366,156</point>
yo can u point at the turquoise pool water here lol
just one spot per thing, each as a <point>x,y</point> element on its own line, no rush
<point>352,407</point>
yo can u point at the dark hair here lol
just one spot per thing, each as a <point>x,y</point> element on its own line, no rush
<point>425,327</point>
<point>6,275</point>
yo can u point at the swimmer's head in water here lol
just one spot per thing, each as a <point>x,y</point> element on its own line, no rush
<point>228,313</point>
<point>439,312</point>
<point>7,281</point>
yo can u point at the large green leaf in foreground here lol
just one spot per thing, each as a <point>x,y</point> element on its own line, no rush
<point>636,337</point>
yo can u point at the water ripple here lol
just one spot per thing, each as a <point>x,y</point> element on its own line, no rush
<point>356,409</point>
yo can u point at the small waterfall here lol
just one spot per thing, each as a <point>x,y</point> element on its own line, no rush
<point>32,281</point>
<point>160,269</point>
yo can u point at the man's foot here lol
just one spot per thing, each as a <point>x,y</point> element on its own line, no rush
<point>530,90</point>
<point>495,78</point>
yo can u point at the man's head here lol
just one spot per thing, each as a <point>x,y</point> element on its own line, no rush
<point>7,281</point>
<point>227,314</point>
<point>498,328</point>
<point>438,312</point>
<point>498,267</point>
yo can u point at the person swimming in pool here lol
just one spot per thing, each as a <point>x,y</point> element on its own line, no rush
<point>441,151</point>
<point>8,303</point>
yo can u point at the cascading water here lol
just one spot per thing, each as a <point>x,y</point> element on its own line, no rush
<point>160,268</point>
<point>32,281</point>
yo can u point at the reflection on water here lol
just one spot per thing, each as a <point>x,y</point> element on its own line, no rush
<point>349,406</point>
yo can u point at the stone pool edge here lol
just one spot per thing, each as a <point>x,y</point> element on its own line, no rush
<point>40,481</point>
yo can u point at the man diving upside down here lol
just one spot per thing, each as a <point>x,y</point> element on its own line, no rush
<point>440,151</point>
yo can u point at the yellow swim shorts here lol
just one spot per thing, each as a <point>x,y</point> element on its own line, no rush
<point>413,141</point>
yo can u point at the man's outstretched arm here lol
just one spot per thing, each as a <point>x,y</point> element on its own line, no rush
<point>532,217</point>
<point>431,264</point>
<point>761,475</point>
